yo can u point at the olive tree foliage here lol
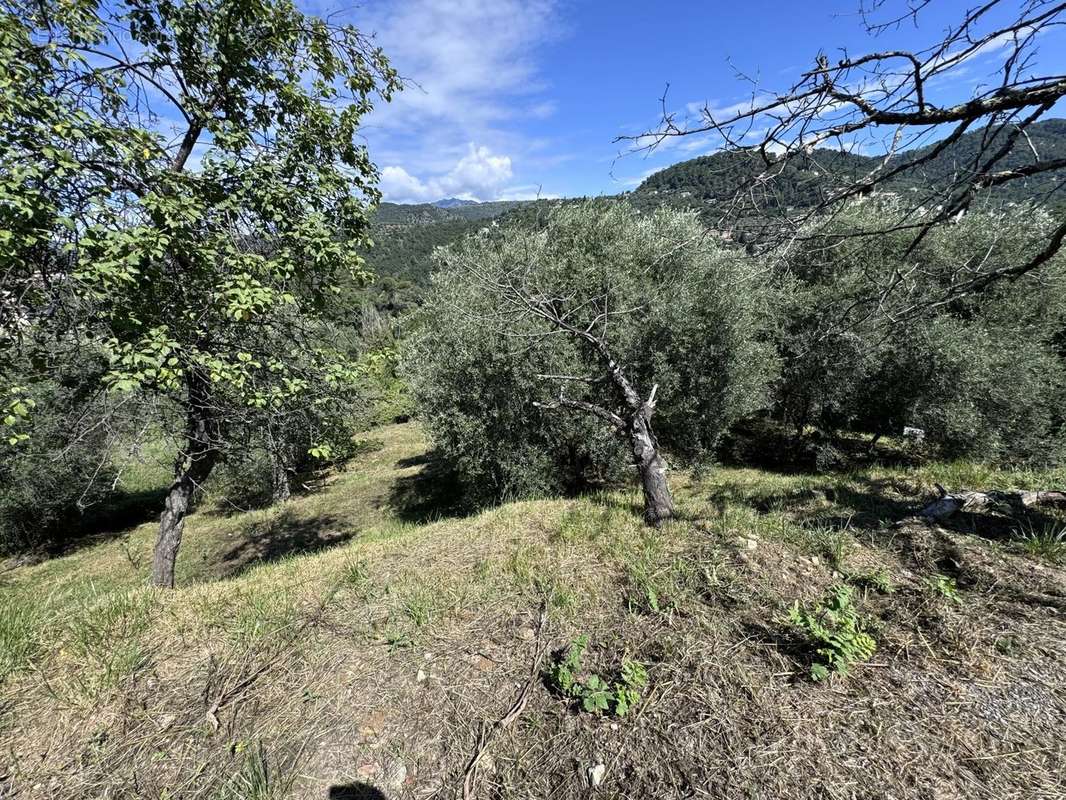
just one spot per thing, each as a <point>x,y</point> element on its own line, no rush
<point>143,145</point>
<point>546,352</point>
<point>982,375</point>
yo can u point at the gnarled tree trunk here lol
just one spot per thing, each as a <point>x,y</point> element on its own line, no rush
<point>658,502</point>
<point>191,469</point>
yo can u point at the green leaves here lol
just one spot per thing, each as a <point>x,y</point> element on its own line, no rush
<point>209,253</point>
<point>836,630</point>
<point>597,695</point>
<point>16,414</point>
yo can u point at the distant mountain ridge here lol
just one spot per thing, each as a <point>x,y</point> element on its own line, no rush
<point>714,178</point>
<point>422,213</point>
<point>453,202</point>
<point>406,234</point>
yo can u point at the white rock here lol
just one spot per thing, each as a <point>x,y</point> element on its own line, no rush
<point>421,676</point>
<point>595,774</point>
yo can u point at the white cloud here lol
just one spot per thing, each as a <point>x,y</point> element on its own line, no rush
<point>399,186</point>
<point>527,192</point>
<point>474,77</point>
<point>478,175</point>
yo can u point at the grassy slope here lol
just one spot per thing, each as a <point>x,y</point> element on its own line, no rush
<point>383,659</point>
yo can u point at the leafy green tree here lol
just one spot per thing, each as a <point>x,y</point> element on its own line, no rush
<point>538,341</point>
<point>145,145</point>
<point>981,374</point>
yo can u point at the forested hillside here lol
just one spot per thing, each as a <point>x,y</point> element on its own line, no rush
<point>715,178</point>
<point>406,235</point>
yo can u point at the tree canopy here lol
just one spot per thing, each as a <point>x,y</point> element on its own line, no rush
<point>183,190</point>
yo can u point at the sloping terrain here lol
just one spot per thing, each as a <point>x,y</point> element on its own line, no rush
<point>358,642</point>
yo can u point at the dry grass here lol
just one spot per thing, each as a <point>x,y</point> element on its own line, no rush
<point>384,653</point>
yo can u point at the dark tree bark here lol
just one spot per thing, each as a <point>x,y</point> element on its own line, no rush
<point>280,472</point>
<point>191,469</point>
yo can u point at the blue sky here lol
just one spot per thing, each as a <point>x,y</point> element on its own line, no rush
<point>519,98</point>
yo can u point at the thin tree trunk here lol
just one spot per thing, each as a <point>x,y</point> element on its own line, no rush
<point>191,469</point>
<point>658,502</point>
<point>280,485</point>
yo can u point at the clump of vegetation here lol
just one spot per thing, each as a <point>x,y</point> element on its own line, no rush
<point>946,587</point>
<point>57,465</point>
<point>879,580</point>
<point>1046,542</point>
<point>597,694</point>
<point>983,377</point>
<point>836,630</point>
<point>576,397</point>
<point>20,639</point>
<point>257,779</point>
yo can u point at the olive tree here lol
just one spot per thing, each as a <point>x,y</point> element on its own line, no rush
<point>145,144</point>
<point>637,325</point>
<point>981,374</point>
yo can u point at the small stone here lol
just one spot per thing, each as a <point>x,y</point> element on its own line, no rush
<point>751,544</point>
<point>595,775</point>
<point>421,676</point>
<point>368,770</point>
<point>395,775</point>
<point>427,657</point>
<point>526,634</point>
<point>815,560</point>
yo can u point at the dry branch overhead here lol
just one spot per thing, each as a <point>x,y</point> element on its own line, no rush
<point>905,108</point>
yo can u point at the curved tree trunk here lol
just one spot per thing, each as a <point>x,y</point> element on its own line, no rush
<point>658,502</point>
<point>191,469</point>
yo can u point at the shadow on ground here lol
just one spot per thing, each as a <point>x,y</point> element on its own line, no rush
<point>432,493</point>
<point>354,791</point>
<point>100,523</point>
<point>863,503</point>
<point>283,535</point>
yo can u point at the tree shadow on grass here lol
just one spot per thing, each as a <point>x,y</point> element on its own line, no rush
<point>836,504</point>
<point>283,535</point>
<point>432,493</point>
